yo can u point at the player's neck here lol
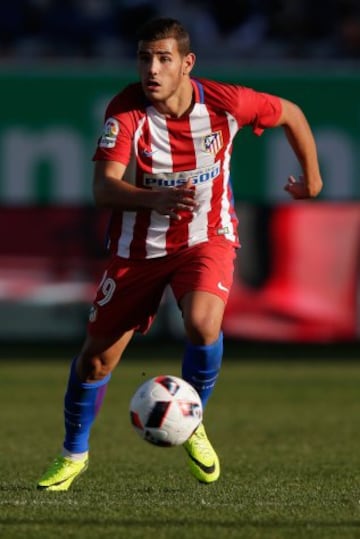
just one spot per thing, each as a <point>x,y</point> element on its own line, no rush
<point>179,104</point>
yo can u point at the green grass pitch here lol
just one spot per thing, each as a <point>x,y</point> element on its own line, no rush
<point>287,433</point>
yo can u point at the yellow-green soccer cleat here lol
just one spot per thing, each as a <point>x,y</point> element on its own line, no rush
<point>62,472</point>
<point>203,461</point>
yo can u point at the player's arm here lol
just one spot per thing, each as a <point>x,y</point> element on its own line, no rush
<point>110,190</point>
<point>301,139</point>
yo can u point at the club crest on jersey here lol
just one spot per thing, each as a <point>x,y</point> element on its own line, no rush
<point>213,143</point>
<point>109,134</point>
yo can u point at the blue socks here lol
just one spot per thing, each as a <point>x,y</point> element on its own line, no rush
<point>201,366</point>
<point>82,403</point>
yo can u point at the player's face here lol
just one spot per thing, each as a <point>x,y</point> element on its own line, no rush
<point>162,69</point>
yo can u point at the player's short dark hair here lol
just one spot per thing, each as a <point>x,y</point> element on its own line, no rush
<point>164,28</point>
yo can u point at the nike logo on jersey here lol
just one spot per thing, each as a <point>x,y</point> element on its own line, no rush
<point>222,287</point>
<point>148,153</point>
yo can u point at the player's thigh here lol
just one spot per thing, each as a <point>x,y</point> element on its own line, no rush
<point>202,314</point>
<point>127,299</point>
<point>201,286</point>
<point>207,267</point>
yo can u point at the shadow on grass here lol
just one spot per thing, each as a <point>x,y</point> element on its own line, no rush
<point>193,522</point>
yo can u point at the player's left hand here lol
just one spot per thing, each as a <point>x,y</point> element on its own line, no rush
<point>297,189</point>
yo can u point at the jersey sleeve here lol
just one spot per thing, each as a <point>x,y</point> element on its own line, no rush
<point>248,106</point>
<point>114,143</point>
<point>258,109</point>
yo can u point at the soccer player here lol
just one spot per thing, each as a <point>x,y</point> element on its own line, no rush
<point>162,166</point>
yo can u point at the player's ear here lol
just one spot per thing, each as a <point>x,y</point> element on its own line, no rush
<point>188,63</point>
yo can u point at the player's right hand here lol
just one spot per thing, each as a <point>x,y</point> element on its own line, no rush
<point>173,200</point>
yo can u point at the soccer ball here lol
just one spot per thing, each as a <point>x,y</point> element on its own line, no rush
<point>165,410</point>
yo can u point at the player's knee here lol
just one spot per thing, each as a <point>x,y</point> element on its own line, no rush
<point>202,330</point>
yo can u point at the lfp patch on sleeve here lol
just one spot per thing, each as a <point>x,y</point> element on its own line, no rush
<point>109,134</point>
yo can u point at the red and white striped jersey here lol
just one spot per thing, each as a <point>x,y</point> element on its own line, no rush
<point>163,152</point>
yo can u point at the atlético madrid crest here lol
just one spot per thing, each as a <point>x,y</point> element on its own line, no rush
<point>213,143</point>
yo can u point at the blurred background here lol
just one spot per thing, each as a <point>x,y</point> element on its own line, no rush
<point>297,277</point>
